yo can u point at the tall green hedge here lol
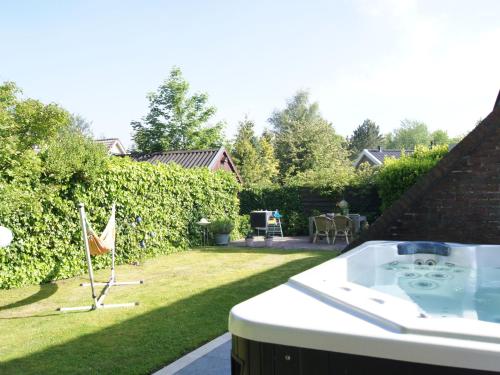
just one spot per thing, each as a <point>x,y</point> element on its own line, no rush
<point>168,199</point>
<point>292,203</point>
<point>398,175</point>
<point>286,199</point>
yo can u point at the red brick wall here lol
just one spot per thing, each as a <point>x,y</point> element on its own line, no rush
<point>457,201</point>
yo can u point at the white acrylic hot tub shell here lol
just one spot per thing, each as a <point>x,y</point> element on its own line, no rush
<point>308,312</point>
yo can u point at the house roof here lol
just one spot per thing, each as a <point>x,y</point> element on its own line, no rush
<point>185,158</point>
<point>377,156</point>
<point>110,143</point>
<point>210,158</point>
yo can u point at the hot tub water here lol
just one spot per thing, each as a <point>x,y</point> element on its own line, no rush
<point>440,290</point>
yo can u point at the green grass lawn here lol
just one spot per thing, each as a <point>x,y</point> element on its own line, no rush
<point>184,303</point>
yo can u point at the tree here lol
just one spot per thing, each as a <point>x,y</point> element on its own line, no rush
<point>254,156</point>
<point>366,135</point>
<point>408,135</point>
<point>440,137</point>
<point>304,140</point>
<point>80,125</point>
<point>267,159</point>
<point>26,127</point>
<point>72,156</point>
<point>245,153</point>
<point>176,120</point>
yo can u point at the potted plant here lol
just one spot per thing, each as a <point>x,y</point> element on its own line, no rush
<point>344,207</point>
<point>249,239</point>
<point>268,241</point>
<point>221,229</point>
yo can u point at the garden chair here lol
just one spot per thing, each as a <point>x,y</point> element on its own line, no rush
<point>343,227</point>
<point>274,224</point>
<point>98,245</point>
<point>324,226</point>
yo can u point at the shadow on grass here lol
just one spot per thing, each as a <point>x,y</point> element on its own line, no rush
<point>261,250</point>
<point>150,341</point>
<point>46,290</point>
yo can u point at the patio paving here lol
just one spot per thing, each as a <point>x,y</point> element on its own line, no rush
<point>213,358</point>
<point>295,243</point>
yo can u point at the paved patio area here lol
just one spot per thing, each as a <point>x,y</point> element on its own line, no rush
<point>213,358</point>
<point>296,243</point>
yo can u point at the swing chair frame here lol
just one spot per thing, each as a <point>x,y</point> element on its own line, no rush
<point>98,301</point>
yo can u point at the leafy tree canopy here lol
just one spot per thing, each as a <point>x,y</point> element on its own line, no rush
<point>304,140</point>
<point>410,134</point>
<point>254,157</point>
<point>176,120</point>
<point>267,159</point>
<point>245,153</point>
<point>26,127</point>
<point>366,135</point>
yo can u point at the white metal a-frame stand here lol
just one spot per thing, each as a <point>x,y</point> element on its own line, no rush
<point>99,300</point>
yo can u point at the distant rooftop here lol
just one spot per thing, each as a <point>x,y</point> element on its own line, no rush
<point>381,154</point>
<point>113,145</point>
<point>376,156</point>
<point>213,159</point>
<point>185,158</point>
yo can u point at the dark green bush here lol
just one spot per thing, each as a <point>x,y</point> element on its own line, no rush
<point>221,226</point>
<point>398,175</point>
<point>286,199</point>
<point>168,199</point>
<point>295,203</point>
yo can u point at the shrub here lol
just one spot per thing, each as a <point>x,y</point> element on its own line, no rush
<point>286,199</point>
<point>221,226</point>
<point>168,198</point>
<point>241,227</point>
<point>398,175</point>
<point>296,203</point>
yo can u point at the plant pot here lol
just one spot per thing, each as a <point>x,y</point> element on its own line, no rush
<point>249,242</point>
<point>222,239</point>
<point>268,242</point>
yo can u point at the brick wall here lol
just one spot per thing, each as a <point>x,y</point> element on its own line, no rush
<point>457,201</point>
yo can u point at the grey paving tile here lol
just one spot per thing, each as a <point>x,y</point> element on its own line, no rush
<point>217,362</point>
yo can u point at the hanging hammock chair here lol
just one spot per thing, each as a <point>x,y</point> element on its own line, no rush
<point>99,245</point>
<point>104,243</point>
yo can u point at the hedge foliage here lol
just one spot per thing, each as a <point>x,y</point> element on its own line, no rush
<point>292,201</point>
<point>168,198</point>
<point>398,175</point>
<point>286,199</point>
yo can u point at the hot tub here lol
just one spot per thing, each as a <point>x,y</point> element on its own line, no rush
<point>414,307</point>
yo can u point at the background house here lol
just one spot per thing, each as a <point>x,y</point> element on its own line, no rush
<point>375,157</point>
<point>456,201</point>
<point>213,159</point>
<point>113,145</point>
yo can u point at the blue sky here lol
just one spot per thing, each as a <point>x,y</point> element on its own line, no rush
<point>434,61</point>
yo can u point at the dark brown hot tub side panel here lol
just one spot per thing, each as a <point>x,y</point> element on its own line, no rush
<point>257,358</point>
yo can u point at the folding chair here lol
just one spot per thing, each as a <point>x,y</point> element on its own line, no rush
<point>99,245</point>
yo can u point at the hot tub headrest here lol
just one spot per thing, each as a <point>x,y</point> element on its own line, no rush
<point>423,247</point>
